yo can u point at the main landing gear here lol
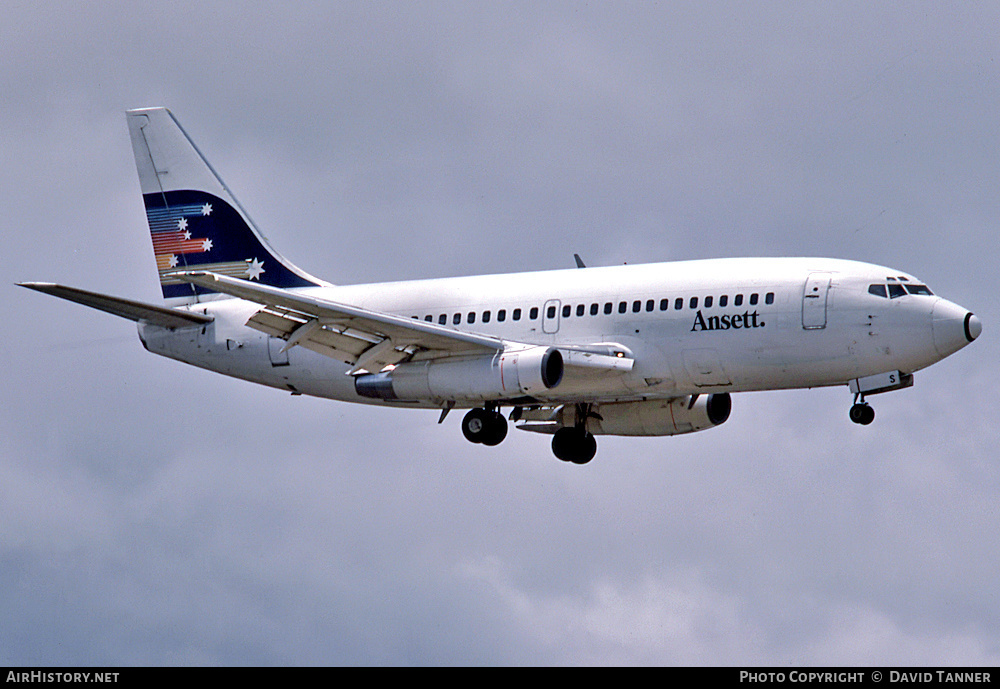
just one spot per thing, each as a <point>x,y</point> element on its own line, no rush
<point>861,413</point>
<point>486,426</point>
<point>575,444</point>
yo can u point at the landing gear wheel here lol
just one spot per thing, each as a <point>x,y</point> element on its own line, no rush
<point>862,414</point>
<point>496,429</point>
<point>475,425</point>
<point>486,427</point>
<point>574,445</point>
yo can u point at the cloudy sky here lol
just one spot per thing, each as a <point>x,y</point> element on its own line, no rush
<point>151,513</point>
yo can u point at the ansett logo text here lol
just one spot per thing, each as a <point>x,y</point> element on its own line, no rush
<point>726,322</point>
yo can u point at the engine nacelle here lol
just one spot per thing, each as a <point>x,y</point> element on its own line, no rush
<point>661,417</point>
<point>515,372</point>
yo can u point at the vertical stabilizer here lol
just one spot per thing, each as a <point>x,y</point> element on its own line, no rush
<point>194,220</point>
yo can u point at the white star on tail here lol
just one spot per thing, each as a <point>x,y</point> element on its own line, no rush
<point>206,245</point>
<point>182,224</point>
<point>206,209</point>
<point>254,269</point>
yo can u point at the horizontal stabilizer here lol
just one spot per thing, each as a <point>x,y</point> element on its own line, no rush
<point>126,308</point>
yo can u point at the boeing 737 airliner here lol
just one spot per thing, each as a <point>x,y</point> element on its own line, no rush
<point>647,350</point>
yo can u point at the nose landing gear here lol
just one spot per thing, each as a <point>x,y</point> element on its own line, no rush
<point>861,413</point>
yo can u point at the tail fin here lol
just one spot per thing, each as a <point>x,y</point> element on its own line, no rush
<point>194,219</point>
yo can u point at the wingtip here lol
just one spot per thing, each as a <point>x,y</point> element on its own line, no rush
<point>140,111</point>
<point>37,286</point>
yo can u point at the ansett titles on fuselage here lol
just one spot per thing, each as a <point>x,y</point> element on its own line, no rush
<point>726,322</point>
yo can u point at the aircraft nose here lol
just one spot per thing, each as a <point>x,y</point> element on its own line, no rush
<point>973,328</point>
<point>953,327</point>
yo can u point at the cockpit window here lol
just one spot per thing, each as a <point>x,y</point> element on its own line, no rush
<point>896,290</point>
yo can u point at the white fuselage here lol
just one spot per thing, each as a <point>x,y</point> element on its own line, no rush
<point>724,325</point>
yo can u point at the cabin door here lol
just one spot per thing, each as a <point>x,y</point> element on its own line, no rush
<point>550,316</point>
<point>814,298</point>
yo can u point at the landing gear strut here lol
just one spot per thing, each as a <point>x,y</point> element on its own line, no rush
<point>860,412</point>
<point>486,426</point>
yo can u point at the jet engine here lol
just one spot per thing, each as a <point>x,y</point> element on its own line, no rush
<point>514,372</point>
<point>661,417</point>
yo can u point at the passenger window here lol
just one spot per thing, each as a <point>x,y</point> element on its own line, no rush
<point>636,306</point>
<point>723,300</point>
<point>896,290</point>
<point>769,298</point>
<point>738,300</point>
<point>753,299</point>
<point>693,303</point>
<point>593,309</point>
<point>622,306</point>
<point>428,317</point>
<point>567,310</point>
<point>501,315</point>
<point>533,313</point>
<point>457,318</point>
<point>443,318</point>
<point>550,312</point>
<point>678,304</point>
<point>649,305</point>
<point>516,314</point>
<point>579,309</point>
<point>664,304</point>
<point>708,302</point>
<point>607,307</point>
<point>486,316</point>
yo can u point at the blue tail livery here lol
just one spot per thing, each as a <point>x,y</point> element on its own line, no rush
<point>194,220</point>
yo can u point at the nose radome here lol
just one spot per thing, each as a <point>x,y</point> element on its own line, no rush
<point>953,327</point>
<point>973,328</point>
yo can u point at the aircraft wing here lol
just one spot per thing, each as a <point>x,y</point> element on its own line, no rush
<point>360,337</point>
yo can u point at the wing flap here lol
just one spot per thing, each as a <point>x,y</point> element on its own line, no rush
<point>319,338</point>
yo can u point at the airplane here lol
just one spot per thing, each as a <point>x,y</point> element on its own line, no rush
<point>630,350</point>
